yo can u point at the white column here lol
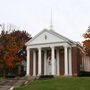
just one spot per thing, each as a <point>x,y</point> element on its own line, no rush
<point>53,60</point>
<point>39,61</point>
<point>70,62</point>
<point>28,62</point>
<point>34,63</point>
<point>66,60</point>
<point>57,62</point>
<point>45,57</point>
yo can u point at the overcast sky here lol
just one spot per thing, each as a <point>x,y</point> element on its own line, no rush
<point>71,18</point>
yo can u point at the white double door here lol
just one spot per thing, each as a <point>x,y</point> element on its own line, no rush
<point>49,66</point>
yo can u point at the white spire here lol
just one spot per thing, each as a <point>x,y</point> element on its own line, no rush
<point>51,25</point>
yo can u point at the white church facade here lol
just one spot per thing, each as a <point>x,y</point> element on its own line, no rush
<point>49,53</point>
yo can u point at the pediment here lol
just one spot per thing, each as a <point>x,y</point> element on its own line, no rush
<point>46,36</point>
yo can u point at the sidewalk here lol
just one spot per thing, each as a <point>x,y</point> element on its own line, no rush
<point>9,83</point>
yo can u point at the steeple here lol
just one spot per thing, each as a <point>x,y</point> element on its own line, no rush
<point>51,24</point>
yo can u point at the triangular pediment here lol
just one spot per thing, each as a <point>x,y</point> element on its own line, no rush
<point>47,36</point>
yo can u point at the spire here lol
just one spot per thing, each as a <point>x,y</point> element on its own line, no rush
<point>51,25</point>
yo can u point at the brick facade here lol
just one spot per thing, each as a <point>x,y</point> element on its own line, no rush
<point>76,61</point>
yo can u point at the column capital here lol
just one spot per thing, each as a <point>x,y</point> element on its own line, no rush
<point>65,46</point>
<point>70,47</point>
<point>39,48</point>
<point>52,46</point>
<point>27,48</point>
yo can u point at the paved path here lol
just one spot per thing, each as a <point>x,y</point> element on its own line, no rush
<point>8,83</point>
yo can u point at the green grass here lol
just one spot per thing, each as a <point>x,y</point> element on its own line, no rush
<point>64,83</point>
<point>1,78</point>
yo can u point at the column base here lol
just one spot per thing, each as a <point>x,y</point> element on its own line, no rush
<point>28,77</point>
<point>38,75</point>
<point>70,75</point>
<point>57,75</point>
<point>66,75</point>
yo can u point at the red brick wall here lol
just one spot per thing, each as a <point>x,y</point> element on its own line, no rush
<point>42,64</point>
<point>36,62</point>
<point>76,61</point>
<point>61,53</point>
<point>31,63</point>
<point>79,60</point>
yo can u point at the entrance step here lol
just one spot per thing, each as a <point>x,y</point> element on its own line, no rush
<point>46,77</point>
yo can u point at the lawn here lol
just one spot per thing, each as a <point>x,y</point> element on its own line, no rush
<point>62,83</point>
<point>1,78</point>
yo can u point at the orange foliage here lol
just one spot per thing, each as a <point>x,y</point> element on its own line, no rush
<point>1,47</point>
<point>11,44</point>
<point>86,43</point>
<point>9,60</point>
<point>18,59</point>
<point>86,35</point>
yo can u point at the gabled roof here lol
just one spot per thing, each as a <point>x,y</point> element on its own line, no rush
<point>67,39</point>
<point>51,32</point>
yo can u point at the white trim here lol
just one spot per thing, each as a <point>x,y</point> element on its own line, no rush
<point>49,45</point>
<point>51,32</point>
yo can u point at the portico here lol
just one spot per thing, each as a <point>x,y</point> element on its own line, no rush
<point>48,53</point>
<point>50,59</point>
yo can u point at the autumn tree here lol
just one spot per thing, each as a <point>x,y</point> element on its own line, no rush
<point>86,43</point>
<point>11,42</point>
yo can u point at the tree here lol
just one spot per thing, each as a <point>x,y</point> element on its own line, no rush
<point>11,42</point>
<point>86,43</point>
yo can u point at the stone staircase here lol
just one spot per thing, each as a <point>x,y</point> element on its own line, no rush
<point>8,84</point>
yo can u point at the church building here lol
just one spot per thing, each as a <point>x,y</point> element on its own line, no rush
<point>49,53</point>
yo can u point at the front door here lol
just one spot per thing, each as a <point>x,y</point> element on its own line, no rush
<point>49,66</point>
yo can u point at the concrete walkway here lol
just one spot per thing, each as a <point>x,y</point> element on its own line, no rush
<point>9,83</point>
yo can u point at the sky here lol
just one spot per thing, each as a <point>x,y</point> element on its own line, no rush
<point>70,18</point>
